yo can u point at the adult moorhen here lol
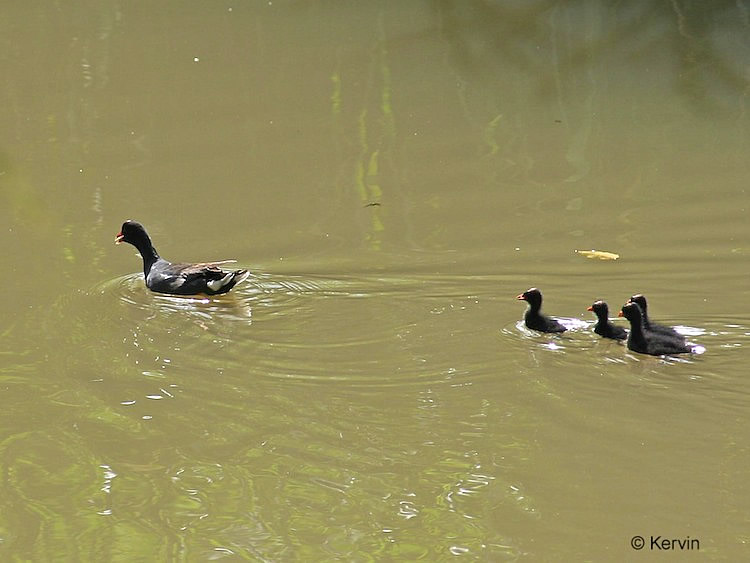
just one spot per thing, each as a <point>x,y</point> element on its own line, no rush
<point>178,279</point>
<point>533,318</point>
<point>603,327</point>
<point>651,343</point>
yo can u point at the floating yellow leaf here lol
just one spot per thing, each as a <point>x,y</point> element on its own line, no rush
<point>598,254</point>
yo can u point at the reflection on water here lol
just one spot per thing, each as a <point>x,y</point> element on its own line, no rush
<point>297,327</point>
<point>266,403</point>
<point>371,393</point>
<point>238,388</point>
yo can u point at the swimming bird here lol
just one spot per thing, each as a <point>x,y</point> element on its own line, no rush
<point>178,279</point>
<point>603,327</point>
<point>533,318</point>
<point>650,326</point>
<point>649,342</point>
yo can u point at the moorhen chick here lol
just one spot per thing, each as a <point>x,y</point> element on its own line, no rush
<point>650,326</point>
<point>178,279</point>
<point>651,343</point>
<point>603,327</point>
<point>533,318</point>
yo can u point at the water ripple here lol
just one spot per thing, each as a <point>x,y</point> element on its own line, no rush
<point>372,330</point>
<point>308,328</point>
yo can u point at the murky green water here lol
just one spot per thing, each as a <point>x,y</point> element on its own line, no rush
<point>393,174</point>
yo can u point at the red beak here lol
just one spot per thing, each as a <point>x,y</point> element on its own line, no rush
<point>118,238</point>
<point>620,314</point>
<point>590,309</point>
<point>521,297</point>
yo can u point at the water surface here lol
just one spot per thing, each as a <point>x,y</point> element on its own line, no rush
<point>393,174</point>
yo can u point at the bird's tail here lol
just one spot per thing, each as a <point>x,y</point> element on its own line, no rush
<point>228,281</point>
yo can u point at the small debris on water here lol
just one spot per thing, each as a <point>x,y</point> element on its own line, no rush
<point>598,254</point>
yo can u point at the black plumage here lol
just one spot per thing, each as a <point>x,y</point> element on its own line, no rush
<point>650,326</point>
<point>649,342</point>
<point>533,318</point>
<point>603,327</point>
<point>178,279</point>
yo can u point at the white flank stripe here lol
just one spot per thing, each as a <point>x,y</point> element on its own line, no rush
<point>216,285</point>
